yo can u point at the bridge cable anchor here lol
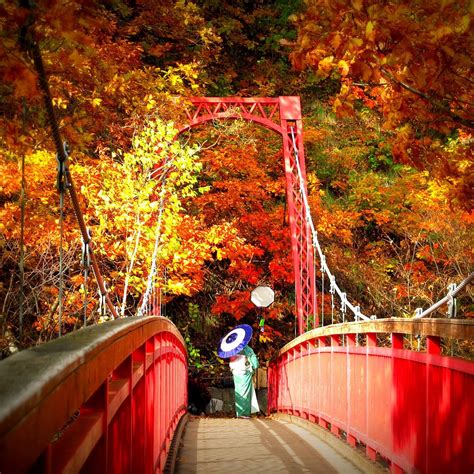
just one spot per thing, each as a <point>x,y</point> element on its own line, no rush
<point>85,253</point>
<point>61,180</point>
<point>103,302</point>
<point>452,302</point>
<point>343,306</point>
<point>357,313</point>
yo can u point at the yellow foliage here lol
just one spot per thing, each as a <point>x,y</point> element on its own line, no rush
<point>343,68</point>
<point>325,66</point>
<point>370,31</point>
<point>357,4</point>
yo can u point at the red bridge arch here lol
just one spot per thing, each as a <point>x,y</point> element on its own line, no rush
<point>283,116</point>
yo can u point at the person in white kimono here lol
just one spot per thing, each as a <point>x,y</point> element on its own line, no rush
<point>243,366</point>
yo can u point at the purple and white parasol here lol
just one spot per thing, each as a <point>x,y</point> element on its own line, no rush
<point>234,341</point>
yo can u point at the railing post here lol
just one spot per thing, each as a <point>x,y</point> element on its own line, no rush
<point>98,404</point>
<point>293,359</point>
<point>433,345</point>
<point>397,341</point>
<point>121,423</point>
<point>335,342</point>
<point>150,398</point>
<point>287,408</point>
<point>350,342</point>
<point>304,375</point>
<point>371,339</point>
<point>138,410</point>
<point>168,392</point>
<point>322,342</point>
<point>312,386</point>
<point>433,348</point>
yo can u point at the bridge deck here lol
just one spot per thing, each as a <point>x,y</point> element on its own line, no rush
<point>259,445</point>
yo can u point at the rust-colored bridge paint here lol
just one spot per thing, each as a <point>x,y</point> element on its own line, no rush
<point>282,115</point>
<point>121,388</point>
<point>412,408</point>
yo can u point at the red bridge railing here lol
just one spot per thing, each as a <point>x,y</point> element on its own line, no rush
<point>106,398</point>
<point>361,380</point>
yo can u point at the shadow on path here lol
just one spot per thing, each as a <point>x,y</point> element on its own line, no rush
<point>258,445</point>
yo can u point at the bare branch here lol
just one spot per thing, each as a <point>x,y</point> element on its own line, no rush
<point>437,104</point>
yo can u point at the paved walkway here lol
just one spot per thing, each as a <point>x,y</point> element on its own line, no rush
<point>259,445</point>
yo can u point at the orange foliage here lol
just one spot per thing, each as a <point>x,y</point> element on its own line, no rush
<point>408,60</point>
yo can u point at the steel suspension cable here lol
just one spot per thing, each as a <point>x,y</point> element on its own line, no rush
<point>163,296</point>
<point>322,289</point>
<point>130,267</point>
<point>154,296</point>
<point>61,187</point>
<point>32,47</point>
<point>332,291</point>
<point>22,229</point>
<point>453,289</point>
<point>22,246</point>
<point>315,290</point>
<point>160,299</point>
<point>354,309</point>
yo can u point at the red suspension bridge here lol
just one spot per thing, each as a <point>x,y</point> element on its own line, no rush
<point>111,398</point>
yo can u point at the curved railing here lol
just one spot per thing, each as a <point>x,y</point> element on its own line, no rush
<point>413,409</point>
<point>106,398</point>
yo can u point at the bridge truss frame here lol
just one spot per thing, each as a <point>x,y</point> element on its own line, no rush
<point>283,116</point>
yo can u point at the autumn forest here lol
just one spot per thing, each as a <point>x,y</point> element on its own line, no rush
<point>387,97</point>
